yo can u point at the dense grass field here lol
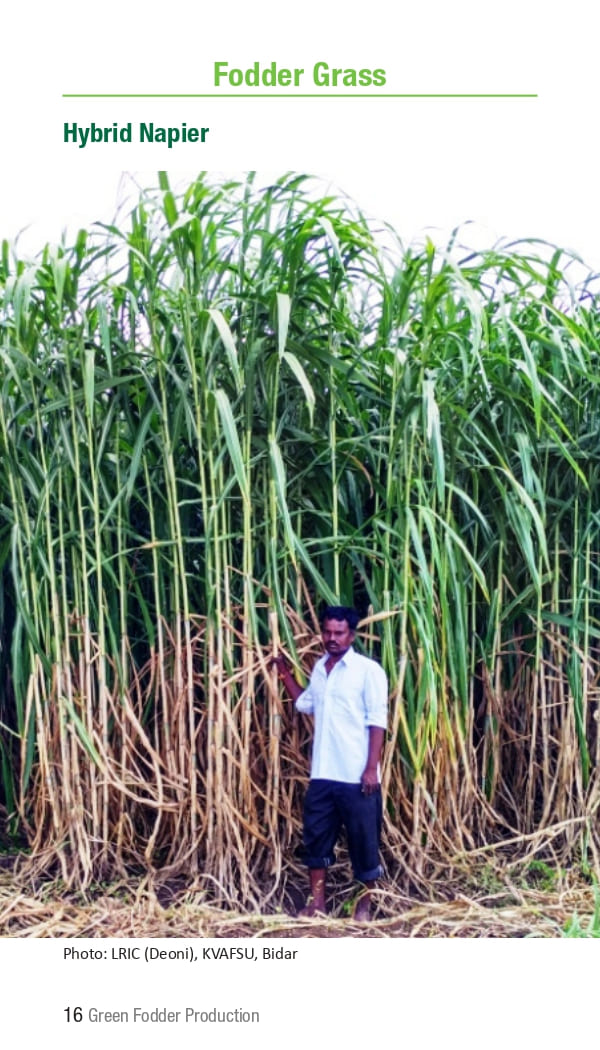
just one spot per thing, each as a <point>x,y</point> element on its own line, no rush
<point>238,402</point>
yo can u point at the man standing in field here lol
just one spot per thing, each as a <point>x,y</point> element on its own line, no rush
<point>347,696</point>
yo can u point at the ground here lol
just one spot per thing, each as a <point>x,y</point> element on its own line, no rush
<point>545,904</point>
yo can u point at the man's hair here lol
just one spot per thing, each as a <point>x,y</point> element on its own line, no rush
<point>341,612</point>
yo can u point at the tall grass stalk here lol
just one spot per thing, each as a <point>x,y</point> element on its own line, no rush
<point>241,402</point>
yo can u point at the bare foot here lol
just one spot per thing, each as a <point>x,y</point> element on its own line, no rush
<point>362,912</point>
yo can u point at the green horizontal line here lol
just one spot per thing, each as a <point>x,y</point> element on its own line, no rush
<point>288,94</point>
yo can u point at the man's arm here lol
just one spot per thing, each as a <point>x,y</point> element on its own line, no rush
<point>370,779</point>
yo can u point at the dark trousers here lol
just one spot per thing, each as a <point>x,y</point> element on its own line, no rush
<point>328,805</point>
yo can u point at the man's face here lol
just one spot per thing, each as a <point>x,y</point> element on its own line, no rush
<point>337,636</point>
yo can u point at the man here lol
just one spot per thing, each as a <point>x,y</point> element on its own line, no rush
<point>347,696</point>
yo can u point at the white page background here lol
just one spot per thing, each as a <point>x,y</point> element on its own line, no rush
<point>513,168</point>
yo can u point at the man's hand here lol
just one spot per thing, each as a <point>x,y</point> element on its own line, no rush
<point>370,778</point>
<point>280,663</point>
<point>283,670</point>
<point>369,781</point>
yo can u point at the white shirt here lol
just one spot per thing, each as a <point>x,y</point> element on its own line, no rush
<point>345,702</point>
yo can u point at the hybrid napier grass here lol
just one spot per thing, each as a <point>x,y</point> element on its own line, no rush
<point>237,404</point>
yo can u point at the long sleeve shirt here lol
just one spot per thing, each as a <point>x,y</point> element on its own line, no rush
<point>344,703</point>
